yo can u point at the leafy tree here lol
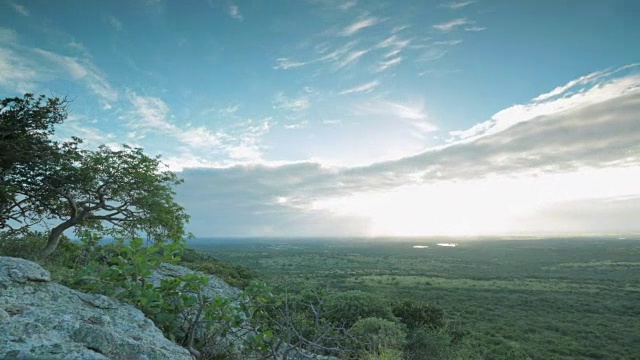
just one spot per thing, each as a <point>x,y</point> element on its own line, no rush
<point>123,189</point>
<point>114,192</point>
<point>26,150</point>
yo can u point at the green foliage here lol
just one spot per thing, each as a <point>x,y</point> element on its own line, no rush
<point>235,275</point>
<point>124,274</point>
<point>120,193</point>
<point>417,314</point>
<point>429,343</point>
<point>350,306</point>
<point>375,335</point>
<point>26,151</point>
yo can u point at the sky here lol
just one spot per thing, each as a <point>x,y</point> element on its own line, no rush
<point>355,118</point>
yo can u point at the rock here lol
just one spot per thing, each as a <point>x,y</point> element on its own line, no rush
<point>44,320</point>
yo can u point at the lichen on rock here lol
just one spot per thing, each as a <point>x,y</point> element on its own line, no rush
<point>44,320</point>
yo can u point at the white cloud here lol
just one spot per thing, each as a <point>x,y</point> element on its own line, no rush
<point>579,161</point>
<point>359,25</point>
<point>457,4</point>
<point>364,88</point>
<point>285,64</point>
<point>24,69</point>
<point>553,103</point>
<point>151,113</point>
<point>475,28</point>
<point>297,126</point>
<point>234,12</point>
<point>351,58</point>
<point>451,25</point>
<point>583,80</point>
<point>20,9</point>
<point>291,104</point>
<point>449,42</point>
<point>387,64</point>
<point>348,5</point>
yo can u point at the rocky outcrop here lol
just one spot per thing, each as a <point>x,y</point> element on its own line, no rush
<point>40,319</point>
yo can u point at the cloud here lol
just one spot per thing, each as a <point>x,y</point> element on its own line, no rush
<point>364,88</point>
<point>234,12</point>
<point>150,114</point>
<point>348,5</point>
<point>351,58</point>
<point>449,42</point>
<point>393,109</point>
<point>84,70</point>
<point>240,143</point>
<point>563,98</point>
<point>475,28</point>
<point>115,23</point>
<point>387,64</point>
<point>457,4</point>
<point>451,25</point>
<point>296,126</point>
<point>24,69</point>
<point>286,64</point>
<point>359,25</point>
<point>570,150</point>
<point>20,9</point>
<point>291,104</point>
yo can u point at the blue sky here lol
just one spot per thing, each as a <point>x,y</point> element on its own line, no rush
<point>323,117</point>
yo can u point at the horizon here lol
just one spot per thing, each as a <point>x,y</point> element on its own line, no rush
<point>355,118</point>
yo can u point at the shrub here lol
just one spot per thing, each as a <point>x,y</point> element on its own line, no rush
<point>376,336</point>
<point>428,343</point>
<point>416,314</point>
<point>348,307</point>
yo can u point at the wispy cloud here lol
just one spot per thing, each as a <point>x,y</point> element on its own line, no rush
<point>83,70</point>
<point>451,25</point>
<point>364,88</point>
<point>150,114</point>
<point>234,12</point>
<point>457,4</point>
<point>20,9</point>
<point>115,23</point>
<point>359,25</point>
<point>475,28</point>
<point>387,64</point>
<point>351,58</point>
<point>297,126</point>
<point>285,64</point>
<point>392,109</point>
<point>348,5</point>
<point>281,101</point>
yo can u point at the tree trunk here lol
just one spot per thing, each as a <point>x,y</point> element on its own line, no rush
<point>54,238</point>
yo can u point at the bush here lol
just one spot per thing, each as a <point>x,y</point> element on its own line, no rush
<point>375,336</point>
<point>417,314</point>
<point>427,343</point>
<point>347,308</point>
<point>233,274</point>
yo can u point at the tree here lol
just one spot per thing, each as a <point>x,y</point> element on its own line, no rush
<point>114,192</point>
<point>124,189</point>
<point>26,148</point>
